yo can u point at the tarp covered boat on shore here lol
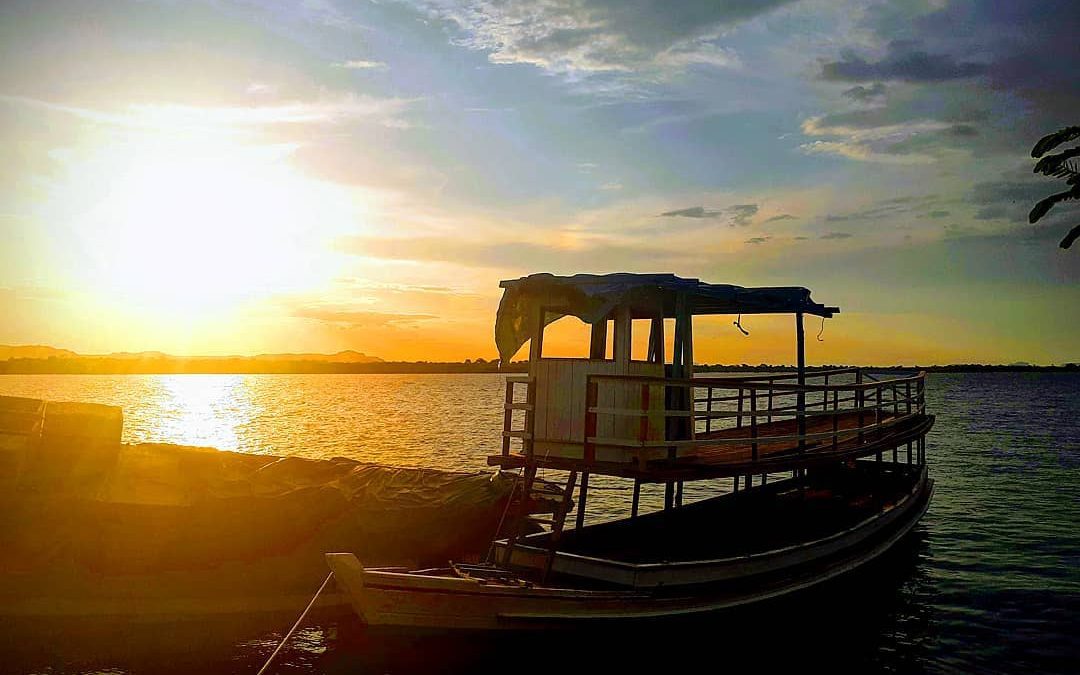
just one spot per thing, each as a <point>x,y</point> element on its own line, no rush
<point>92,526</point>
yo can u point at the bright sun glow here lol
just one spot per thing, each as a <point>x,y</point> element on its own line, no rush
<point>191,226</point>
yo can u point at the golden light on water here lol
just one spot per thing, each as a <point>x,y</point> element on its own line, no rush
<point>206,410</point>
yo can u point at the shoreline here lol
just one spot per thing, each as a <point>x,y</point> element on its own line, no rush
<point>89,366</point>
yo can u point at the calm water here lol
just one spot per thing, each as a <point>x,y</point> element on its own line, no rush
<point>990,582</point>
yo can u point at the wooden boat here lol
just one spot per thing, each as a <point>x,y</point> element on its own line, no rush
<point>838,458</point>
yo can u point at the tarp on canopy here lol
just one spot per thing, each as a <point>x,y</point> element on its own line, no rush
<point>592,297</point>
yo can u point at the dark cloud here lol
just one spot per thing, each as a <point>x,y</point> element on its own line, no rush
<point>1000,74</point>
<point>865,94</point>
<point>693,212</point>
<point>963,130</point>
<point>782,216</point>
<point>738,214</point>
<point>937,214</point>
<point>743,214</point>
<point>1008,199</point>
<point>757,240</point>
<point>905,61</point>
<point>837,235</point>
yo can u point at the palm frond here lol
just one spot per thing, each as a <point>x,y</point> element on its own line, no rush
<point>1059,165</point>
<point>1070,237</point>
<point>1051,141</point>
<point>1045,205</point>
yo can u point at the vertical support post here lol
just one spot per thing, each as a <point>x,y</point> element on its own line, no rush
<point>583,495</point>
<point>637,498</point>
<point>643,422</point>
<point>623,327</point>
<point>769,402</point>
<point>669,495</point>
<point>656,340</point>
<point>800,405</point>
<point>536,346</point>
<point>598,340</point>
<point>907,396</point>
<point>678,493</point>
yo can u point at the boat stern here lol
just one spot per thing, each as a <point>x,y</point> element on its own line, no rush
<point>349,575</point>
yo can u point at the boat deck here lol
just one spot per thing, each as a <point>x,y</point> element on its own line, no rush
<point>732,450</point>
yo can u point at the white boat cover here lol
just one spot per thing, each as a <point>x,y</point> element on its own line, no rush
<point>592,297</point>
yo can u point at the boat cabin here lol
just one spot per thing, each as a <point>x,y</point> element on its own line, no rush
<point>654,420</point>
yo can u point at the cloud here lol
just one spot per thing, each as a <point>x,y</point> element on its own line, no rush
<point>757,240</point>
<point>693,212</point>
<point>612,186</point>
<point>353,318</point>
<point>993,71</point>
<point>361,64</point>
<point>581,37</point>
<point>738,214</point>
<point>743,214</point>
<point>904,61</point>
<point>782,216</point>
<point>837,235</point>
<point>863,94</point>
<point>876,143</point>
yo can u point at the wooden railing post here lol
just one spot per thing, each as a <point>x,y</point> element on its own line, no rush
<point>530,418</point>
<point>708,409</point>
<point>877,417</point>
<point>835,417</point>
<point>738,418</point>
<point>591,397</point>
<point>753,427</point>
<point>508,417</point>
<point>859,396</point>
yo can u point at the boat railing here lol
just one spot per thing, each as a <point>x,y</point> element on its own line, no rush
<point>754,420</point>
<point>762,411</point>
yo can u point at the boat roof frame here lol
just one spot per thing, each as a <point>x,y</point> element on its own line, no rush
<point>642,293</point>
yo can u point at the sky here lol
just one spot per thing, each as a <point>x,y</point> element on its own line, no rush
<point>311,176</point>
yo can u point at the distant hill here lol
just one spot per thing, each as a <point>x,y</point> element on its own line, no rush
<point>34,352</point>
<point>347,356</point>
<point>8,352</point>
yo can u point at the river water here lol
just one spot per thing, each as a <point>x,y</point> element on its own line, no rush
<point>989,582</point>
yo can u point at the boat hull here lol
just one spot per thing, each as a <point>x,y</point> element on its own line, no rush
<point>447,601</point>
<point>532,553</point>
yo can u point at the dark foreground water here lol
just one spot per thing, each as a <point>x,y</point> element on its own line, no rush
<point>989,582</point>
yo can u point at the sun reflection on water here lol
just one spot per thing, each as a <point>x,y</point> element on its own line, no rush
<point>203,409</point>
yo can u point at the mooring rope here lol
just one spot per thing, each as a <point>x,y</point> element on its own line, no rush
<point>288,636</point>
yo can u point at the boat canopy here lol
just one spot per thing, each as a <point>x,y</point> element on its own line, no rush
<point>593,297</point>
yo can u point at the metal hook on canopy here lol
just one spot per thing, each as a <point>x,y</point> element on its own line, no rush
<point>738,324</point>
<point>822,330</point>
